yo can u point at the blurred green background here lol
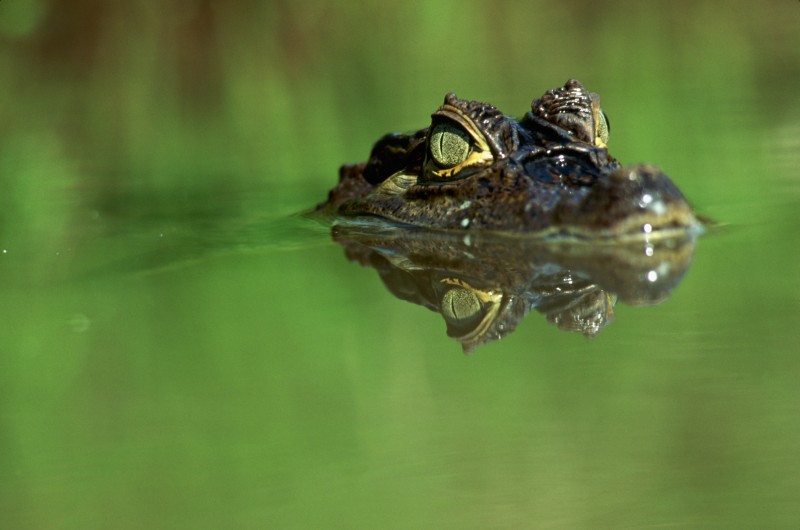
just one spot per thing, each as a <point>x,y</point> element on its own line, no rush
<point>181,351</point>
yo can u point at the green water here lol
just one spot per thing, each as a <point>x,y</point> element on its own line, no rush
<point>180,350</point>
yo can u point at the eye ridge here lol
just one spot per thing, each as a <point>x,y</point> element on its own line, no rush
<point>449,145</point>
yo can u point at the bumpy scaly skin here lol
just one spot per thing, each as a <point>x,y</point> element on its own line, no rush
<point>548,172</point>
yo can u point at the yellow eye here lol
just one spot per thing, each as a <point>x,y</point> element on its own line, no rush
<point>449,145</point>
<point>603,126</point>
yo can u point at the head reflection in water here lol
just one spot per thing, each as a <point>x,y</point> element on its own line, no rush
<point>484,286</point>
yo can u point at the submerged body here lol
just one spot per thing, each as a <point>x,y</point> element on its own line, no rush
<point>475,168</point>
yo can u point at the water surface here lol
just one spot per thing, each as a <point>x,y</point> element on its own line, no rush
<point>256,376</point>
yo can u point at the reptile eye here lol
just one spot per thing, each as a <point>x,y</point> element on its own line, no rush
<point>604,127</point>
<point>449,145</point>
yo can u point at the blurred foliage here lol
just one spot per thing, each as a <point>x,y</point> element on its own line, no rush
<point>201,92</point>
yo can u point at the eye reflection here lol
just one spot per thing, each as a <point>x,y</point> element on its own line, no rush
<point>461,306</point>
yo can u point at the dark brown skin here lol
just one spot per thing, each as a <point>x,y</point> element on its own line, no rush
<point>476,169</point>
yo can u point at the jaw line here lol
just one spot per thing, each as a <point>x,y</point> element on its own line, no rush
<point>640,227</point>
